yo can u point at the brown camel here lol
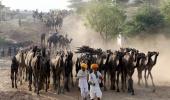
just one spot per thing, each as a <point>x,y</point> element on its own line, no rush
<point>141,63</point>
<point>20,57</point>
<point>43,39</point>
<point>57,66</point>
<point>14,72</point>
<point>36,72</point>
<point>149,67</point>
<point>130,69</point>
<point>146,63</point>
<point>112,63</point>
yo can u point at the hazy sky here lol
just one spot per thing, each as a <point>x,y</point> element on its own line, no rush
<point>43,5</point>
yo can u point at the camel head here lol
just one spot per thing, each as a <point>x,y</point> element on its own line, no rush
<point>109,51</point>
<point>120,54</point>
<point>156,53</point>
<point>71,40</point>
<point>150,54</point>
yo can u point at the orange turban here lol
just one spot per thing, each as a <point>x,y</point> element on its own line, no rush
<point>94,66</point>
<point>83,65</point>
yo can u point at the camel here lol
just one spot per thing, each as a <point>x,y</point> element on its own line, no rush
<point>57,66</point>
<point>40,69</point>
<point>112,63</point>
<point>68,69</point>
<point>78,67</point>
<point>14,71</point>
<point>130,69</point>
<point>43,39</point>
<point>121,69</point>
<point>106,68</point>
<point>141,62</point>
<point>45,63</point>
<point>21,60</point>
<point>146,63</point>
<point>28,60</point>
<point>36,72</point>
<point>149,67</point>
<point>127,65</point>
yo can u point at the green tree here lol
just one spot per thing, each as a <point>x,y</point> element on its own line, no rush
<point>78,5</point>
<point>147,18</point>
<point>105,18</point>
<point>165,9</point>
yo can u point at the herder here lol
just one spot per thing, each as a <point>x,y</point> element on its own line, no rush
<point>95,79</point>
<point>83,83</point>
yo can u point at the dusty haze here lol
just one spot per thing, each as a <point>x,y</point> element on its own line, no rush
<point>75,28</point>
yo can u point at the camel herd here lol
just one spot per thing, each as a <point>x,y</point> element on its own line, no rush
<point>57,40</point>
<point>37,65</point>
<point>53,19</point>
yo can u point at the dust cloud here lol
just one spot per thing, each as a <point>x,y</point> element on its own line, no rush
<point>75,27</point>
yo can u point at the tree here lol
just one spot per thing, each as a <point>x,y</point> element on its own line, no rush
<point>78,5</point>
<point>165,9</point>
<point>105,18</point>
<point>149,18</point>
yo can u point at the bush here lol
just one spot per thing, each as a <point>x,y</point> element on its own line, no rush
<point>165,9</point>
<point>148,18</point>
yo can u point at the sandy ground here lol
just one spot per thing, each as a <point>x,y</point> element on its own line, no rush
<point>22,93</point>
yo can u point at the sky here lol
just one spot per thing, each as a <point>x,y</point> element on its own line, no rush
<point>42,5</point>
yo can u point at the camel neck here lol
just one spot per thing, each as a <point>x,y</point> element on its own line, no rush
<point>149,59</point>
<point>155,59</point>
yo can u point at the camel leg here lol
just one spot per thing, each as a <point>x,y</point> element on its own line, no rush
<point>37,85</point>
<point>148,74</point>
<point>123,82</point>
<point>112,79</point>
<point>54,81</point>
<point>30,79</point>
<point>12,78</point>
<point>46,83</point>
<point>62,88</point>
<point>72,79</point>
<point>152,82</point>
<point>139,77</point>
<point>105,89</point>
<point>146,83</point>
<point>66,82</point>
<point>108,79</point>
<point>20,75</point>
<point>26,74</point>
<point>117,82</point>
<point>48,79</point>
<point>16,79</point>
<point>58,85</point>
<point>23,71</point>
<point>111,86</point>
<point>130,85</point>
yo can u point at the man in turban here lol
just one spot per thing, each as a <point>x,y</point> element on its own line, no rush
<point>83,83</point>
<point>95,79</point>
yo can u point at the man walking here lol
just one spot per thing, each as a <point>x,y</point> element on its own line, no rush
<point>95,79</point>
<point>83,83</point>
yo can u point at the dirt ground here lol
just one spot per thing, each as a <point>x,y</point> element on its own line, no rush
<point>22,93</point>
